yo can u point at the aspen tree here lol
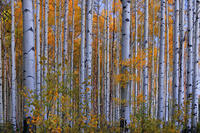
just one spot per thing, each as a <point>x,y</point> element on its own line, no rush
<point>181,77</point>
<point>175,59</point>
<point>82,66</point>
<point>65,47</point>
<point>38,48</point>
<point>167,66</point>
<point>145,75</point>
<point>28,55</point>
<point>196,69</point>
<point>89,56</point>
<point>189,67</point>
<point>107,64</point>
<point>125,114</point>
<point>161,64</point>
<point>14,87</point>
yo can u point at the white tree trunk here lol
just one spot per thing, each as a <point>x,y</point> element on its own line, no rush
<point>189,66</point>
<point>65,47</point>
<point>196,69</point>
<point>145,75</point>
<point>14,92</point>
<point>107,65</point>
<point>152,96</point>
<point>182,42</point>
<point>125,114</point>
<point>60,63</point>
<point>1,88</point>
<point>167,66</point>
<point>46,10</point>
<point>89,56</point>
<point>176,59</point>
<point>161,64</point>
<point>82,66</point>
<point>38,48</point>
<point>28,52</point>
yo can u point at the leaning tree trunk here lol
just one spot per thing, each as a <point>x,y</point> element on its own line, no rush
<point>82,66</point>
<point>1,88</point>
<point>176,59</point>
<point>89,56</point>
<point>125,114</point>
<point>161,64</point>
<point>14,91</point>
<point>189,67</point>
<point>28,57</point>
<point>181,78</point>
<point>196,70</point>
<point>145,75</point>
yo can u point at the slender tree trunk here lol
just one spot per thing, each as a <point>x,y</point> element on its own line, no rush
<point>98,63</point>
<point>46,48</point>
<point>189,67</point>
<point>14,92</point>
<point>5,81</point>
<point>196,69</point>
<point>176,59</point>
<point>152,96</point>
<point>145,75</point>
<point>161,64</point>
<point>167,66</point>
<point>89,56</point>
<point>125,114</point>
<point>65,47</point>
<point>42,47</point>
<point>72,48</point>
<point>28,56</point>
<point>117,71</point>
<point>181,78</point>
<point>1,88</point>
<point>107,65</point>
<point>82,66</point>
<point>55,36</point>
<point>60,63</point>
<point>38,48</point>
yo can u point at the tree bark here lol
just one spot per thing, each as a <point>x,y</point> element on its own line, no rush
<point>189,67</point>
<point>125,114</point>
<point>161,64</point>
<point>28,56</point>
<point>145,75</point>
<point>14,91</point>
<point>89,57</point>
<point>175,59</point>
<point>196,70</point>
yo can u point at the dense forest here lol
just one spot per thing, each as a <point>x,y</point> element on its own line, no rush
<point>129,66</point>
